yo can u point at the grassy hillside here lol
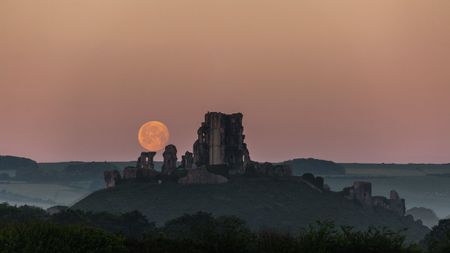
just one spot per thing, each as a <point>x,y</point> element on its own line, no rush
<point>285,204</point>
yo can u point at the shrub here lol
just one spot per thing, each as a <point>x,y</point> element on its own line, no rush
<point>438,240</point>
<point>41,237</point>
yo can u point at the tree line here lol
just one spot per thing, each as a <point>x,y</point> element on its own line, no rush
<point>30,229</point>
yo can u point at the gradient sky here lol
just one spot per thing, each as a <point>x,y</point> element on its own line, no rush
<point>363,81</point>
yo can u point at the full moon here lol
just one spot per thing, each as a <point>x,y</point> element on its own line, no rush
<point>153,135</point>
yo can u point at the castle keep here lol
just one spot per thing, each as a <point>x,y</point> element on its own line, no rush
<point>221,142</point>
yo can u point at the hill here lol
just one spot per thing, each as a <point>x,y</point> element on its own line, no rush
<point>318,167</point>
<point>426,215</point>
<point>286,204</point>
<point>17,165</point>
<point>392,169</point>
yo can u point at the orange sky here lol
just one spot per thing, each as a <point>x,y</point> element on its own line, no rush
<point>349,80</point>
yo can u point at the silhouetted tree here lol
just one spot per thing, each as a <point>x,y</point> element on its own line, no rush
<point>41,237</point>
<point>438,240</point>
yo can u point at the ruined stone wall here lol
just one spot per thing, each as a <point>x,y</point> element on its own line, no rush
<point>317,182</point>
<point>396,203</point>
<point>129,173</point>
<point>221,141</point>
<point>362,192</point>
<point>187,160</point>
<point>216,138</point>
<point>200,148</point>
<point>145,160</point>
<point>144,168</point>
<point>380,201</point>
<point>170,160</point>
<point>112,178</point>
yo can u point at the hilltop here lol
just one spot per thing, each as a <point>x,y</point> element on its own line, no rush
<point>286,204</point>
<point>310,165</point>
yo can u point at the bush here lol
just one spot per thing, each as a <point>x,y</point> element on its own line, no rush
<point>438,240</point>
<point>222,234</point>
<point>41,237</point>
<point>132,224</point>
<point>200,232</point>
<point>20,214</point>
<point>326,238</point>
<point>28,229</point>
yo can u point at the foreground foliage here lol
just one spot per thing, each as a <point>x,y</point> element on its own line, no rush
<point>27,229</point>
<point>203,233</point>
<point>39,237</point>
<point>438,240</point>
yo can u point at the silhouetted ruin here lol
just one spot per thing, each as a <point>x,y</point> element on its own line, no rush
<point>268,169</point>
<point>170,160</point>
<point>317,182</point>
<point>144,167</point>
<point>187,160</point>
<point>145,161</point>
<point>112,178</point>
<point>221,141</point>
<point>362,192</point>
<point>220,154</point>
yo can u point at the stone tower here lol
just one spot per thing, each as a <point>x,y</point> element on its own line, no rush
<point>170,160</point>
<point>221,141</point>
<point>187,160</point>
<point>145,161</point>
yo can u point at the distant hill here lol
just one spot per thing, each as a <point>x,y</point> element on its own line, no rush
<point>315,166</point>
<point>25,169</point>
<point>92,168</point>
<point>66,172</point>
<point>413,166</point>
<point>427,216</point>
<point>17,163</point>
<point>284,204</point>
<point>61,166</point>
<point>13,166</point>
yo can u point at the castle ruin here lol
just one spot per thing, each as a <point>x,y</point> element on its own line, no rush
<point>170,160</point>
<point>220,154</point>
<point>362,192</point>
<point>145,161</point>
<point>112,178</point>
<point>144,167</point>
<point>187,160</point>
<point>221,142</point>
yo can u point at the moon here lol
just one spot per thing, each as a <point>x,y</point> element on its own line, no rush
<point>153,135</point>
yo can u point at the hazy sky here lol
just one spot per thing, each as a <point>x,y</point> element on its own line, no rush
<point>365,81</point>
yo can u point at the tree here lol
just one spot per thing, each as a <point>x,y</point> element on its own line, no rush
<point>438,240</point>
<point>42,237</point>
